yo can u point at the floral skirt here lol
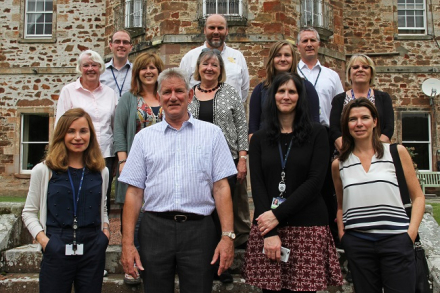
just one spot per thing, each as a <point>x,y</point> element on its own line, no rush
<point>312,266</point>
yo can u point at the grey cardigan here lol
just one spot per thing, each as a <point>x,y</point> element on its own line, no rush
<point>229,115</point>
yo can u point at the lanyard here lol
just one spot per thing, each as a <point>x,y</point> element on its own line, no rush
<point>116,81</point>
<point>316,81</point>
<point>75,204</point>
<point>353,97</point>
<point>282,184</point>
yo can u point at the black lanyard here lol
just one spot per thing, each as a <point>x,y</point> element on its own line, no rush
<point>282,184</point>
<point>316,81</point>
<point>75,203</point>
<point>116,81</point>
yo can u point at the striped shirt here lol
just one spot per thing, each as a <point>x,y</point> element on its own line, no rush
<point>177,168</point>
<point>371,200</point>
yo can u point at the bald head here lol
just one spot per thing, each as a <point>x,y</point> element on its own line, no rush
<point>216,30</point>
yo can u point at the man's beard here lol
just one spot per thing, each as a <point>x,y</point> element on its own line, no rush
<point>215,44</point>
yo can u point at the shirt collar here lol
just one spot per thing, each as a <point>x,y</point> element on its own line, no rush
<point>110,64</point>
<point>301,65</point>
<point>164,125</point>
<point>78,85</point>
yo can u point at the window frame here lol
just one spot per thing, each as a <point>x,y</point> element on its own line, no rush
<point>28,13</point>
<point>240,8</point>
<point>133,19</point>
<point>405,30</point>
<point>22,139</point>
<point>429,142</point>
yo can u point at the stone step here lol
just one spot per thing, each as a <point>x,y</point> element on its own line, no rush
<point>26,259</point>
<point>28,283</point>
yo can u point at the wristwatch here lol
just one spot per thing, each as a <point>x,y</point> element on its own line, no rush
<point>229,234</point>
<point>243,157</point>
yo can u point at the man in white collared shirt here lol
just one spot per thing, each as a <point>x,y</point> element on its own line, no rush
<point>326,81</point>
<point>117,74</point>
<point>237,74</point>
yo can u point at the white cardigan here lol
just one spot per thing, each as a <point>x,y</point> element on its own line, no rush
<point>36,200</point>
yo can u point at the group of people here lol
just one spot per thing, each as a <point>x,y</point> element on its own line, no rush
<point>182,182</point>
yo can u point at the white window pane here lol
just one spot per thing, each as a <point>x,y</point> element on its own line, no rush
<point>48,17</point>
<point>40,5</point>
<point>419,21</point>
<point>39,28</point>
<point>48,29</point>
<point>30,29</point>
<point>401,21</point>
<point>31,5</point>
<point>49,5</point>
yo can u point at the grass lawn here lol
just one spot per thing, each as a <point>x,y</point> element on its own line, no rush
<point>12,199</point>
<point>436,211</point>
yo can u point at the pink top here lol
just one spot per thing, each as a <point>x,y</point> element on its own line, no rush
<point>99,104</point>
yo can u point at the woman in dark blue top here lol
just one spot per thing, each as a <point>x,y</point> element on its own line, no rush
<point>282,58</point>
<point>68,191</point>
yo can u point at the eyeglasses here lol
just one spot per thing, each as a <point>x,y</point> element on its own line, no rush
<point>93,65</point>
<point>365,67</point>
<point>118,42</point>
<point>217,52</point>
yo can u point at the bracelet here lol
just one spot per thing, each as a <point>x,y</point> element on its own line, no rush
<point>106,228</point>
<point>243,157</point>
<point>122,161</point>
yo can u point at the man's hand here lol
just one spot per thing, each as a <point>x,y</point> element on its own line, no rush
<point>224,249</point>
<point>129,257</point>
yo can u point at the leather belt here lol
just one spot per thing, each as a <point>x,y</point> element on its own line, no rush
<point>179,217</point>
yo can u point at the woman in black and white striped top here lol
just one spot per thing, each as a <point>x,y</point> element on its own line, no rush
<point>375,231</point>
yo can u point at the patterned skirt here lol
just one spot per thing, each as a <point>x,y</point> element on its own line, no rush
<point>312,266</point>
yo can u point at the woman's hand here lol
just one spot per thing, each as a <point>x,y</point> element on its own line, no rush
<point>412,234</point>
<point>42,239</point>
<point>121,166</point>
<point>241,170</point>
<point>338,144</point>
<point>266,222</point>
<point>272,247</point>
<point>106,231</point>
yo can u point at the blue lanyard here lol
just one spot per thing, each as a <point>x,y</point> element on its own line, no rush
<point>284,161</point>
<point>353,97</point>
<point>316,81</point>
<point>116,81</point>
<point>76,195</point>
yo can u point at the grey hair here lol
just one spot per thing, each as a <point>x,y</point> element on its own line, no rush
<point>308,29</point>
<point>95,58</point>
<point>170,73</point>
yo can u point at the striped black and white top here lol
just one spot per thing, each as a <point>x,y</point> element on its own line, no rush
<point>371,200</point>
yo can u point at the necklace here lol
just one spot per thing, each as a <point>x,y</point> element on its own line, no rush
<point>208,91</point>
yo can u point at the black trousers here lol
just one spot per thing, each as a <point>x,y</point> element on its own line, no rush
<point>168,247</point>
<point>109,163</point>
<point>59,271</point>
<point>388,264</point>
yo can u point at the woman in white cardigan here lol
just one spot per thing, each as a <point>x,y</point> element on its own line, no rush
<point>68,191</point>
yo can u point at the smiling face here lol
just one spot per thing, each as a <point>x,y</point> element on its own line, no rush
<point>209,69</point>
<point>121,45</point>
<point>77,137</point>
<point>283,59</point>
<point>148,75</point>
<point>308,45</point>
<point>286,98</point>
<point>360,72</point>
<point>89,70</point>
<point>361,123</point>
<point>215,31</point>
<point>174,99</point>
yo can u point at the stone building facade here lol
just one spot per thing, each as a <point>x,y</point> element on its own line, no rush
<point>35,65</point>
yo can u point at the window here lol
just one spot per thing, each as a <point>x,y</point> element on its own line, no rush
<point>133,13</point>
<point>411,16</point>
<point>316,13</point>
<point>34,140</point>
<point>416,133</point>
<point>38,18</point>
<point>226,7</point>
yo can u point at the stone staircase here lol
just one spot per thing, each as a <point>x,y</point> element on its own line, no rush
<point>22,267</point>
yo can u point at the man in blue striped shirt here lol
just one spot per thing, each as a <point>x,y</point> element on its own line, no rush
<point>178,169</point>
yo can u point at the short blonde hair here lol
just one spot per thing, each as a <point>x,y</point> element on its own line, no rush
<point>95,58</point>
<point>364,60</point>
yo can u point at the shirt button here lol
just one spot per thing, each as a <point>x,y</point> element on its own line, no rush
<point>90,207</point>
<point>68,209</point>
<point>55,204</point>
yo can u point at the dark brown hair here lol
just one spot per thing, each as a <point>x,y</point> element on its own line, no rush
<point>347,140</point>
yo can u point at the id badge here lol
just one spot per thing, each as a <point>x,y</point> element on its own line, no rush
<point>276,201</point>
<point>79,249</point>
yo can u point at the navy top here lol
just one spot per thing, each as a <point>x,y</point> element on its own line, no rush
<point>60,199</point>
<point>258,98</point>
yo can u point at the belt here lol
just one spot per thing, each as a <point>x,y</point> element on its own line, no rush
<point>179,217</point>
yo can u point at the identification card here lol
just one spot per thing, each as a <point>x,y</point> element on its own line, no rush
<point>276,201</point>
<point>79,249</point>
